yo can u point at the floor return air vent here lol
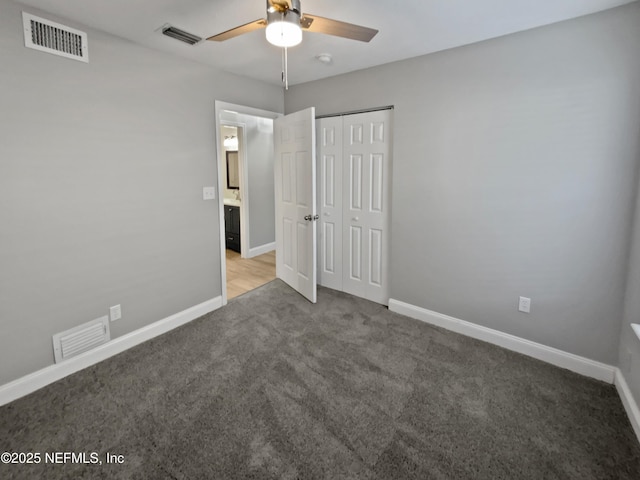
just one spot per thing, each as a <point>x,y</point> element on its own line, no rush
<point>47,36</point>
<point>81,338</point>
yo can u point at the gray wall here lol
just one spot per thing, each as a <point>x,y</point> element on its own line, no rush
<point>514,174</point>
<point>101,173</point>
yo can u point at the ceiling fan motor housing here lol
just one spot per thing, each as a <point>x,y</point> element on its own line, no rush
<point>288,11</point>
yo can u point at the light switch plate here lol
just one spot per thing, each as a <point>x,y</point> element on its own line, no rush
<point>208,193</point>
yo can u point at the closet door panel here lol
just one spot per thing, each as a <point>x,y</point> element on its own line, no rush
<point>366,185</point>
<point>330,232</point>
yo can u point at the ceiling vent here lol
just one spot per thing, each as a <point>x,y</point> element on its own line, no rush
<point>181,35</point>
<point>47,36</point>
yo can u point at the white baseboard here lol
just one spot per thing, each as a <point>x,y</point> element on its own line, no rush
<point>575,363</point>
<point>30,383</point>
<point>629,403</point>
<point>267,247</point>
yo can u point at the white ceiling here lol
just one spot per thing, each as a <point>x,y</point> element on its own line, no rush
<point>407,29</point>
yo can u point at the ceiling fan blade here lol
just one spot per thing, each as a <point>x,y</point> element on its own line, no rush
<point>234,32</point>
<point>314,23</point>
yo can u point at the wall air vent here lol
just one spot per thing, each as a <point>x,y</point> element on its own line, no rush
<point>47,36</point>
<point>181,35</point>
<point>81,338</point>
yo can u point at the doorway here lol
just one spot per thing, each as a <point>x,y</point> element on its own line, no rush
<point>244,271</point>
<point>246,201</point>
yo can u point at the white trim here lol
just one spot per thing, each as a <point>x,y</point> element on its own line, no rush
<point>30,383</point>
<point>554,356</point>
<point>266,248</point>
<point>629,403</point>
<point>221,227</point>
<point>636,329</point>
<point>243,173</point>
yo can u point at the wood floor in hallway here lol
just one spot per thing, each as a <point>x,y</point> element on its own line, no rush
<point>245,274</point>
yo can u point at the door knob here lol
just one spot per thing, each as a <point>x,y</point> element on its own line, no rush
<point>309,218</point>
<point>355,219</point>
<point>327,214</point>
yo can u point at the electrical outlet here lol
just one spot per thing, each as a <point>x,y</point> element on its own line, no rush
<point>524,305</point>
<point>115,313</point>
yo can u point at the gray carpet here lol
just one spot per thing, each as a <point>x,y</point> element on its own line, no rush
<point>273,387</point>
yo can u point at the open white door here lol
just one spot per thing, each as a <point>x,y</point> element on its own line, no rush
<point>295,185</point>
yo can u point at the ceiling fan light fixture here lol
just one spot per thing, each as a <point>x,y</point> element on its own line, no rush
<point>284,33</point>
<point>283,25</point>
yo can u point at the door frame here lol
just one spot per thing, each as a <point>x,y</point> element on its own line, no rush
<point>232,108</point>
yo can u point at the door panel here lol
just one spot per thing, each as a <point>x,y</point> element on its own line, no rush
<point>303,251</point>
<point>295,185</point>
<point>375,257</point>
<point>355,182</point>
<point>377,132</point>
<point>376,168</point>
<point>287,186</point>
<point>329,234</point>
<point>355,254</point>
<point>303,174</point>
<point>356,137</point>
<point>328,166</point>
<point>287,245</point>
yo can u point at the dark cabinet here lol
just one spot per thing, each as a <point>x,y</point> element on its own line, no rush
<point>232,227</point>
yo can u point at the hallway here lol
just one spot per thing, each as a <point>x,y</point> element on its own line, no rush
<point>245,274</point>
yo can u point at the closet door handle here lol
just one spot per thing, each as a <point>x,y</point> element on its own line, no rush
<point>355,219</point>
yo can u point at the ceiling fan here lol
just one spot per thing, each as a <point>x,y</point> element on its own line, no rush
<point>285,22</point>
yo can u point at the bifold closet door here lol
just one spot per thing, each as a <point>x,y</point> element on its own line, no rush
<point>366,156</point>
<point>353,170</point>
<point>329,138</point>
